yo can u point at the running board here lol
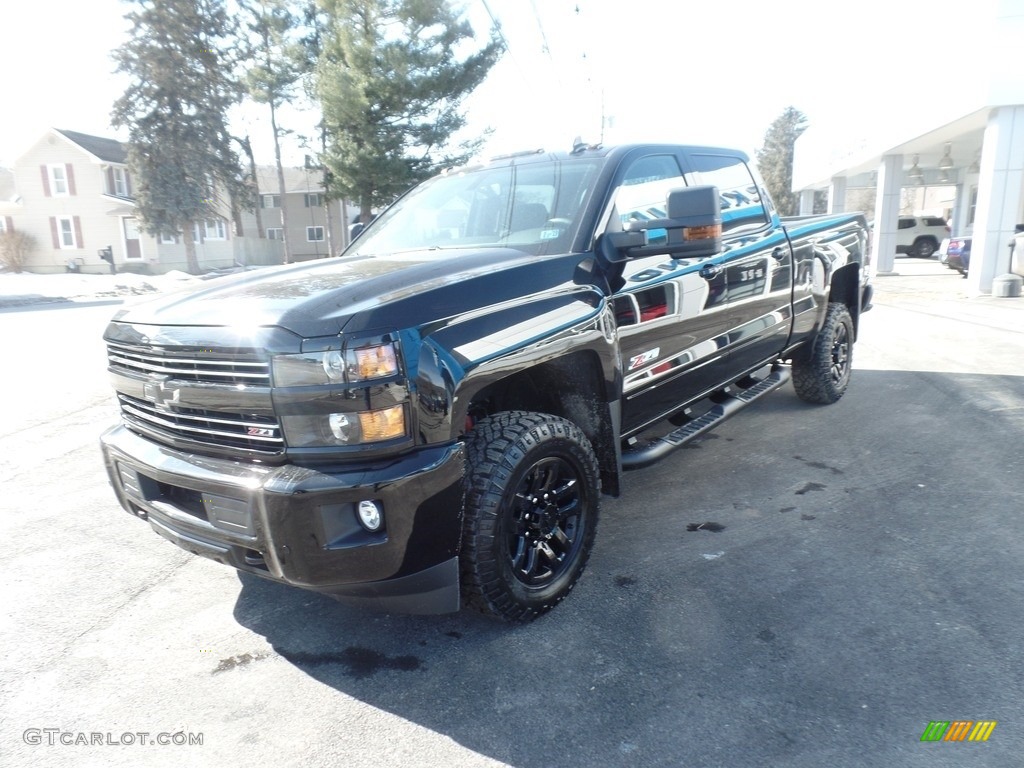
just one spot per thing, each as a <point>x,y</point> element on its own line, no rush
<point>726,404</point>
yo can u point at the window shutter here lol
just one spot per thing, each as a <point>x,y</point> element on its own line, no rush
<point>78,231</point>
<point>111,189</point>
<point>71,178</point>
<point>53,231</point>
<point>46,180</point>
<point>127,183</point>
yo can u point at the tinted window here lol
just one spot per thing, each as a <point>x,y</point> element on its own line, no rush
<point>644,189</point>
<point>906,223</point>
<point>739,199</point>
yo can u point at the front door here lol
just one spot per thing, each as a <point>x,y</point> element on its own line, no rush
<point>672,313</point>
<point>132,239</point>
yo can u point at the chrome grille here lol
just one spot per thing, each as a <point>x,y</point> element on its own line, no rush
<point>210,366</point>
<point>229,430</point>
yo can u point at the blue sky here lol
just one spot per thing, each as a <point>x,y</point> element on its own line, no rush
<point>678,70</point>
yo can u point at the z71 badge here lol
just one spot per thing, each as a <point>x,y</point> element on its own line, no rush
<point>646,357</point>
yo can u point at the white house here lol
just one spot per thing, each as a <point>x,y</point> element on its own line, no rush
<point>74,196</point>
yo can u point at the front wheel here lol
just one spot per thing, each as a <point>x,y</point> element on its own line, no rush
<point>531,513</point>
<point>823,375</point>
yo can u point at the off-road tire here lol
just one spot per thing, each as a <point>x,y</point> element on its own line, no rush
<point>523,551</point>
<point>823,375</point>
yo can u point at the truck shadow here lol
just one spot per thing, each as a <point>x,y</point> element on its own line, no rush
<point>687,637</point>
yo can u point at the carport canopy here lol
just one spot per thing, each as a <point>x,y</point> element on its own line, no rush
<point>973,143</point>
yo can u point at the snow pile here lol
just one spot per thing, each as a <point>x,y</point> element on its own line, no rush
<point>26,286</point>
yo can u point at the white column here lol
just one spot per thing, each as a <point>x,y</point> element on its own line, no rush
<point>837,195</point>
<point>962,204</point>
<point>999,197</point>
<point>887,213</point>
<point>806,202</point>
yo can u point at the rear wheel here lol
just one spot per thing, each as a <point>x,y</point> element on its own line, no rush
<point>924,249</point>
<point>531,513</point>
<point>824,374</point>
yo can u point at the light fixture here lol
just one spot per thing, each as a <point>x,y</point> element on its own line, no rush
<point>371,515</point>
<point>975,167</point>
<point>915,173</point>
<point>946,162</point>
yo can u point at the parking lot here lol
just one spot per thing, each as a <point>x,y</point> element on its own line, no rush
<point>805,586</point>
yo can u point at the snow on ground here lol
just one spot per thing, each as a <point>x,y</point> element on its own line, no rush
<point>27,287</point>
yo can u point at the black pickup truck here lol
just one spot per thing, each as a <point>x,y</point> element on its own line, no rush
<point>429,420</point>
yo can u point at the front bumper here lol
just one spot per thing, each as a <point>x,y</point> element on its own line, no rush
<point>298,525</point>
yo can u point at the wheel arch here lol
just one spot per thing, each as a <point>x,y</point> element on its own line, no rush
<point>573,387</point>
<point>845,289</point>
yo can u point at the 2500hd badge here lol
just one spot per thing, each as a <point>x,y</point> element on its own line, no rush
<point>429,421</point>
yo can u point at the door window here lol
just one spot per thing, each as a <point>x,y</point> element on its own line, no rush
<point>644,189</point>
<point>739,196</point>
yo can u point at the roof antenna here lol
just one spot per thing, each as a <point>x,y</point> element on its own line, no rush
<point>578,145</point>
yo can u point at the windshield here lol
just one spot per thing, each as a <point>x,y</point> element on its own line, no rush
<point>535,208</point>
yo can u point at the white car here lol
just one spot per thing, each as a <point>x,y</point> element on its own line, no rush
<point>921,235</point>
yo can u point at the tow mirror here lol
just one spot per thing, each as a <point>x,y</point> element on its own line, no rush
<point>692,228</point>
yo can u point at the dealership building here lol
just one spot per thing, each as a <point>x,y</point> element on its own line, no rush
<point>959,148</point>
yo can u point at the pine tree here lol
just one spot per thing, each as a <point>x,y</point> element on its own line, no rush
<point>775,158</point>
<point>277,64</point>
<point>390,85</point>
<point>175,110</point>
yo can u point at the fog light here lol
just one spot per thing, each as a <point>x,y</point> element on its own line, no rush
<point>370,515</point>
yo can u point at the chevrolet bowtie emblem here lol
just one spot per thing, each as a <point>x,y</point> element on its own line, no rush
<point>161,395</point>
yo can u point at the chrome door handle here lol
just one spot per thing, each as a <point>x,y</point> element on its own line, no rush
<point>710,271</point>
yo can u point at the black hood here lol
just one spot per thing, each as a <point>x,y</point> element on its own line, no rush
<point>320,298</point>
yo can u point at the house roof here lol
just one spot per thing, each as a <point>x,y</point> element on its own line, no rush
<point>107,150</point>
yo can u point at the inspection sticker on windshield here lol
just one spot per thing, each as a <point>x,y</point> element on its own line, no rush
<point>646,357</point>
<point>550,234</point>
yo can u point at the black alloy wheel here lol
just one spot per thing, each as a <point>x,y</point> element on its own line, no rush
<point>542,530</point>
<point>823,374</point>
<point>531,513</point>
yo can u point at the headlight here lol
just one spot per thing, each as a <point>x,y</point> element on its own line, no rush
<point>334,366</point>
<point>371,362</point>
<point>352,428</point>
<point>344,396</point>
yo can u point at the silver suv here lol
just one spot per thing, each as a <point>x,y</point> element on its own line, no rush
<point>920,235</point>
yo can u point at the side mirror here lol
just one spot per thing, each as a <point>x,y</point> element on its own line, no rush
<point>692,228</point>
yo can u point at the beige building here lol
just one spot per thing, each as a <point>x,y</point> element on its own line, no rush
<point>316,228</point>
<point>8,199</point>
<point>73,193</point>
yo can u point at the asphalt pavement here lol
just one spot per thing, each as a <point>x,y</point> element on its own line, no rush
<point>806,586</point>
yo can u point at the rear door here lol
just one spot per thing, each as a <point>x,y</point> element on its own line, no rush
<point>756,263</point>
